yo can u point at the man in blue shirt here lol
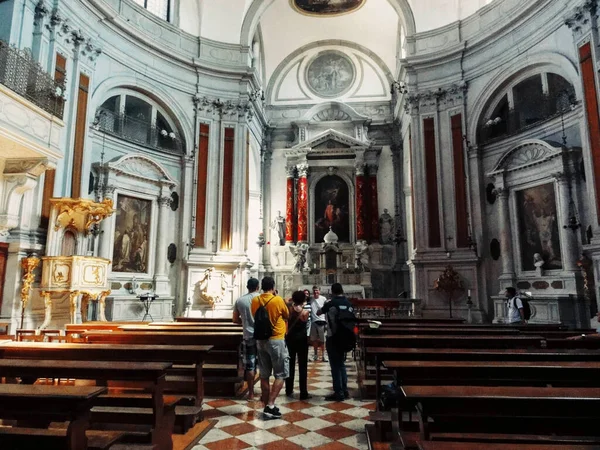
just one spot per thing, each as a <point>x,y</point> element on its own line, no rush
<point>243,315</point>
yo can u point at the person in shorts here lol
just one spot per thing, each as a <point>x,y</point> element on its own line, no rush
<point>243,315</point>
<point>273,356</point>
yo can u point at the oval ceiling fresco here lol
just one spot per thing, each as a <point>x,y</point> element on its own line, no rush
<point>326,7</point>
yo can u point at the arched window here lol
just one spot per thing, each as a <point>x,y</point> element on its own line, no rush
<point>525,103</point>
<point>135,119</point>
<point>160,8</point>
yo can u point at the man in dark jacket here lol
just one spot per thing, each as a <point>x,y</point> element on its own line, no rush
<point>334,349</point>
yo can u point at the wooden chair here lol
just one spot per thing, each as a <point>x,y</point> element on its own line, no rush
<point>29,335</point>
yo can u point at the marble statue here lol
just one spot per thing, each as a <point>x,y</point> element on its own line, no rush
<point>386,228</point>
<point>300,252</point>
<point>361,254</point>
<point>279,226</point>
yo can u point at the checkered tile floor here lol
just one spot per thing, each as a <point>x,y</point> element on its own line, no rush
<point>313,423</point>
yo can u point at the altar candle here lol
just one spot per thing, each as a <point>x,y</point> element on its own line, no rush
<point>314,266</point>
<point>468,292</point>
<point>346,265</point>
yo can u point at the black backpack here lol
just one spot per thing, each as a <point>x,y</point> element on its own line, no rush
<point>526,307</point>
<point>263,329</point>
<point>343,332</point>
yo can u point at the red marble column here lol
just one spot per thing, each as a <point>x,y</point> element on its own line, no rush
<point>302,202</point>
<point>373,205</point>
<point>361,187</point>
<point>289,207</point>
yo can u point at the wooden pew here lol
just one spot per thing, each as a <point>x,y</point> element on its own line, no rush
<point>433,445</point>
<point>149,374</point>
<point>379,354</point>
<point>203,319</point>
<point>494,373</point>
<point>223,374</point>
<point>494,409</point>
<point>192,354</point>
<point>48,404</point>
<point>558,343</point>
<point>458,341</point>
<point>181,329</point>
<point>440,330</point>
<point>415,320</point>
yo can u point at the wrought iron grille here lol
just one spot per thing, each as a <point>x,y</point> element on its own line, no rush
<point>22,74</point>
<point>530,114</point>
<point>138,131</point>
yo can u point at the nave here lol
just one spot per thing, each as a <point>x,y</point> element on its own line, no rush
<point>314,423</point>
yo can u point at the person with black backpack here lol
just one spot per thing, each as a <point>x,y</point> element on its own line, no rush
<point>270,315</point>
<point>516,308</point>
<point>340,339</point>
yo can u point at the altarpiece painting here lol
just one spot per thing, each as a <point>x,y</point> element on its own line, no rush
<point>538,227</point>
<point>132,228</point>
<point>332,208</point>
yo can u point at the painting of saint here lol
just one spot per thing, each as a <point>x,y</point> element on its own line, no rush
<point>332,208</point>
<point>132,228</point>
<point>538,227</point>
<point>326,7</point>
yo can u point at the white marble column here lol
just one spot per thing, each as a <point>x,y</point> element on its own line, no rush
<point>506,253</point>
<point>106,226</point>
<point>568,236</point>
<point>160,267</point>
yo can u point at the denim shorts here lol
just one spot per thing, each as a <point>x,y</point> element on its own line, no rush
<point>249,351</point>
<point>273,357</point>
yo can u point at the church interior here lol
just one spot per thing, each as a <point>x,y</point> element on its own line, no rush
<point>156,155</point>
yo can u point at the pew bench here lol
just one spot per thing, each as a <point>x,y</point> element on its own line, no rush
<point>160,416</point>
<point>49,404</point>
<point>432,445</point>
<point>192,355</point>
<point>226,350</point>
<point>496,373</point>
<point>495,409</point>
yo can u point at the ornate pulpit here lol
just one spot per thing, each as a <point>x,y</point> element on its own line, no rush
<point>70,267</point>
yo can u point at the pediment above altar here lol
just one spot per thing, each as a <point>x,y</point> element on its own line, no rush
<point>330,139</point>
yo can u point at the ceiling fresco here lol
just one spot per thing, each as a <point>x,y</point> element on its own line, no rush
<point>326,7</point>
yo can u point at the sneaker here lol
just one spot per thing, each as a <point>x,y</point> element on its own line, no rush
<point>305,396</point>
<point>272,413</point>
<point>289,394</point>
<point>324,359</point>
<point>315,357</point>
<point>346,395</point>
<point>334,398</point>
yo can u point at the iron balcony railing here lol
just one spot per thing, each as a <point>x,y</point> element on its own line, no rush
<point>20,73</point>
<point>137,131</point>
<point>536,111</point>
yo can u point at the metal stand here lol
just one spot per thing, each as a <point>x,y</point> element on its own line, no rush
<point>146,300</point>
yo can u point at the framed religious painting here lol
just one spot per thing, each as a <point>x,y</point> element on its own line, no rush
<point>132,230</point>
<point>539,238</point>
<point>331,208</point>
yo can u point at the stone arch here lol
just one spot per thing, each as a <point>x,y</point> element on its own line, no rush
<point>153,91</point>
<point>553,62</point>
